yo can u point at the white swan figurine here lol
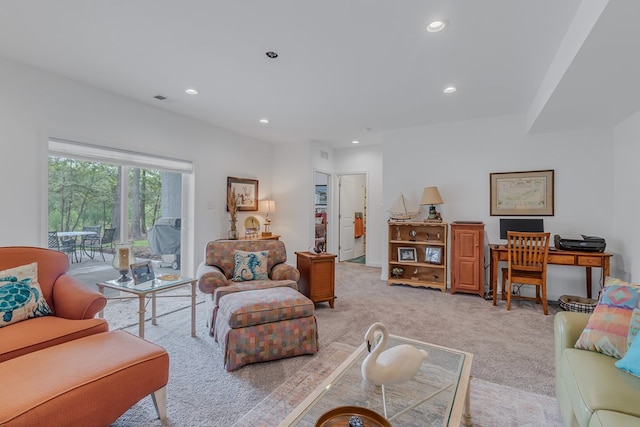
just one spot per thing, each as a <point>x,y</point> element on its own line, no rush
<point>393,366</point>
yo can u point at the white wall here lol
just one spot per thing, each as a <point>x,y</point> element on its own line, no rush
<point>36,105</point>
<point>458,158</point>
<point>626,199</point>
<point>368,160</point>
<point>293,189</point>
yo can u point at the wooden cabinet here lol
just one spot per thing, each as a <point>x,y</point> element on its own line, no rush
<point>418,254</point>
<point>317,276</point>
<point>467,258</point>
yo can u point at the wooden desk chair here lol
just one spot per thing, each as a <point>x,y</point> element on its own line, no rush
<point>527,265</point>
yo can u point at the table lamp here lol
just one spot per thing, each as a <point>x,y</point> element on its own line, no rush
<point>431,196</point>
<point>267,206</point>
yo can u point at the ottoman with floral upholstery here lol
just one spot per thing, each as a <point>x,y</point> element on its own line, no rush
<point>265,324</point>
<point>253,305</point>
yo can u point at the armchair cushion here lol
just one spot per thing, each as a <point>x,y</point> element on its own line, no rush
<point>608,326</point>
<point>21,297</point>
<point>250,265</point>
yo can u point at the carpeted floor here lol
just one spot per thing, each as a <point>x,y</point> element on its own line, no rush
<point>513,350</point>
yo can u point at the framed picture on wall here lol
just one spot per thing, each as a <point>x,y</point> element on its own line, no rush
<point>321,194</point>
<point>522,193</point>
<point>246,192</point>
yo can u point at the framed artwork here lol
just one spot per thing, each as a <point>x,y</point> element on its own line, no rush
<point>246,191</point>
<point>433,255</point>
<point>407,255</point>
<point>321,194</point>
<point>522,193</point>
<point>142,272</point>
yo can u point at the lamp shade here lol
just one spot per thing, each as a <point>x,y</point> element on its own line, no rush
<point>431,196</point>
<point>267,206</point>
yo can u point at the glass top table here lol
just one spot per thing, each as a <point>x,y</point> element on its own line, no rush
<point>150,289</point>
<point>438,395</point>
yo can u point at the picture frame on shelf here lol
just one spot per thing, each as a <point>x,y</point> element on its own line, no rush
<point>433,255</point>
<point>142,272</point>
<point>522,193</point>
<point>407,255</point>
<point>246,192</point>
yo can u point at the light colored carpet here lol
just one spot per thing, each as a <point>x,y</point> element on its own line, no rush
<point>512,349</point>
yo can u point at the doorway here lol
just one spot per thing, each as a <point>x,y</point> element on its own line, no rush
<point>352,200</point>
<point>321,181</point>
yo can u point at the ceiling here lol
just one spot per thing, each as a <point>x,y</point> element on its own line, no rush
<point>346,69</point>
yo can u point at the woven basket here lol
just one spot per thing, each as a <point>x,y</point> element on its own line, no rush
<point>577,304</point>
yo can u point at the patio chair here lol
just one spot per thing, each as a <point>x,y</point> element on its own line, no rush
<point>90,241</point>
<point>97,245</point>
<point>68,246</point>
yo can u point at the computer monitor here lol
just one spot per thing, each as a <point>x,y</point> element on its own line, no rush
<point>535,225</point>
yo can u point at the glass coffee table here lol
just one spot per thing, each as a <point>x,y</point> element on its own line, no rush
<point>149,290</point>
<point>437,396</point>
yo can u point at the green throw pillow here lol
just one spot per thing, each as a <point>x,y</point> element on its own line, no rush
<point>250,265</point>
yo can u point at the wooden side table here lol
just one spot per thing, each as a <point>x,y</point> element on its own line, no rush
<point>317,276</point>
<point>262,237</point>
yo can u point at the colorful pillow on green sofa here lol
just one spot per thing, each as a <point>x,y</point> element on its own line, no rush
<point>20,295</point>
<point>607,331</point>
<point>250,265</point>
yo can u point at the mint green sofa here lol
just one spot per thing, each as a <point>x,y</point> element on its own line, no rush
<point>590,390</point>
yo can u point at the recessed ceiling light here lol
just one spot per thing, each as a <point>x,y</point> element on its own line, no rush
<point>449,89</point>
<point>265,121</point>
<point>191,91</point>
<point>355,142</point>
<point>436,26</point>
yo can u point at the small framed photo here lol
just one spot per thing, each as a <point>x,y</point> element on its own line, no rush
<point>433,255</point>
<point>142,272</point>
<point>407,255</point>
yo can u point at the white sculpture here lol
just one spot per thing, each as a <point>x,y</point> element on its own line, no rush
<point>393,366</point>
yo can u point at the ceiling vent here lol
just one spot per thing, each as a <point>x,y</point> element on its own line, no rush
<point>324,155</point>
<point>160,97</point>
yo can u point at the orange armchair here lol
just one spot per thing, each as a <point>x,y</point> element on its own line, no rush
<point>74,305</point>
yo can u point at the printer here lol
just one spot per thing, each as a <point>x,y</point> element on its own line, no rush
<point>587,244</point>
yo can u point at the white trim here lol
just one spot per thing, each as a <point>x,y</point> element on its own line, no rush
<point>77,150</point>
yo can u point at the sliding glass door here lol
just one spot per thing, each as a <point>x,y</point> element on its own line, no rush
<point>117,202</point>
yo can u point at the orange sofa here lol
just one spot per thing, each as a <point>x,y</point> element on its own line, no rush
<point>74,306</point>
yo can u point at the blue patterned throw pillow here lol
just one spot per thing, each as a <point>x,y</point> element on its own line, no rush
<point>20,295</point>
<point>250,265</point>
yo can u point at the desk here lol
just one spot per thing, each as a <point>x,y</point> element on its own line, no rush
<point>556,257</point>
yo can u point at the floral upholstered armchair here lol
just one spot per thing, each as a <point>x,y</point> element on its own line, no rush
<point>223,272</point>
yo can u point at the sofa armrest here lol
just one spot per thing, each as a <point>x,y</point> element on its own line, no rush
<point>285,272</point>
<point>74,300</point>
<point>567,327</point>
<point>210,278</point>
